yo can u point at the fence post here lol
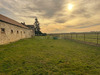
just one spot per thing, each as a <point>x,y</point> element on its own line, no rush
<point>63,36</point>
<point>97,38</point>
<point>84,37</point>
<point>68,35</point>
<point>71,35</point>
<point>76,35</point>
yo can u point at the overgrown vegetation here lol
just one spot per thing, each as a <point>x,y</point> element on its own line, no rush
<point>47,56</point>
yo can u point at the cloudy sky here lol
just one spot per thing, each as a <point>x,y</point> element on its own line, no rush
<point>55,16</point>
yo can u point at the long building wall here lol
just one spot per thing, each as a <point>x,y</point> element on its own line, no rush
<point>10,33</point>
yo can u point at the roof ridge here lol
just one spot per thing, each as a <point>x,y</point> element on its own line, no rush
<point>9,20</point>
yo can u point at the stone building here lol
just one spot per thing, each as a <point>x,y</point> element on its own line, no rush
<point>11,30</point>
<point>31,27</point>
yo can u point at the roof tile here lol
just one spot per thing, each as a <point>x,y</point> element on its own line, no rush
<point>6,19</point>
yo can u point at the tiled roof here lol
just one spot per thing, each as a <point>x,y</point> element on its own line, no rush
<point>30,26</point>
<point>8,20</point>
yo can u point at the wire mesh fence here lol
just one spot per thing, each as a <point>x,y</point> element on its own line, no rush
<point>84,37</point>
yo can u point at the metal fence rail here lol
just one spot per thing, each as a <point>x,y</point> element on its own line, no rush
<point>86,37</point>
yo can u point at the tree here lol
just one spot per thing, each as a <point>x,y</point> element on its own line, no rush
<point>37,27</point>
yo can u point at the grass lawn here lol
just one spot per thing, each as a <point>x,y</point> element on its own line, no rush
<point>41,56</point>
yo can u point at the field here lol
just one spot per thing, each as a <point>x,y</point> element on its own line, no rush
<point>48,56</point>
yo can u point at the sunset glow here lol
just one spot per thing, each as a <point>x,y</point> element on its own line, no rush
<point>55,16</point>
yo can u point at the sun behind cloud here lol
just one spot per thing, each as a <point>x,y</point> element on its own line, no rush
<point>55,15</point>
<point>70,6</point>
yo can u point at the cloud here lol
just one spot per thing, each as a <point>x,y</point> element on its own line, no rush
<point>48,7</point>
<point>54,15</point>
<point>30,16</point>
<point>83,25</point>
<point>87,26</point>
<point>60,20</point>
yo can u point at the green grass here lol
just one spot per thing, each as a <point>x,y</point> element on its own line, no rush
<point>47,56</point>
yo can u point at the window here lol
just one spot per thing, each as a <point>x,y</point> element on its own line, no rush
<point>11,31</point>
<point>21,32</point>
<point>17,32</point>
<point>2,30</point>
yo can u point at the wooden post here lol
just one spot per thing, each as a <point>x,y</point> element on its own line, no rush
<point>63,36</point>
<point>71,35</point>
<point>84,37</point>
<point>68,35</point>
<point>76,35</point>
<point>97,38</point>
